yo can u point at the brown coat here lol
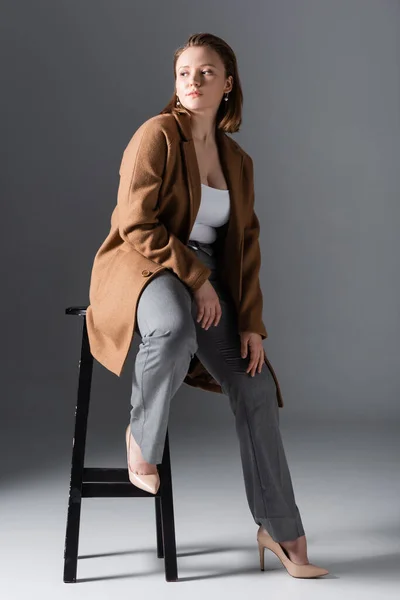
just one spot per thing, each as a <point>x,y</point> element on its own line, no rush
<point>158,200</point>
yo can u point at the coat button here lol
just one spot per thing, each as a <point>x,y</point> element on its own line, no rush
<point>145,273</point>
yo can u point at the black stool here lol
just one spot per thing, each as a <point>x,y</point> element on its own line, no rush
<point>111,483</point>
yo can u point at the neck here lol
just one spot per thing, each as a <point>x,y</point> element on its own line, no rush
<point>203,128</point>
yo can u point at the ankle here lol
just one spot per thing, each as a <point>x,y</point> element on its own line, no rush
<point>296,542</point>
<point>289,544</point>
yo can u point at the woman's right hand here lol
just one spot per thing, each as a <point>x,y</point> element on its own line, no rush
<point>209,309</point>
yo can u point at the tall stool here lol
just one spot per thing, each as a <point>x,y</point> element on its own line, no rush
<point>111,483</point>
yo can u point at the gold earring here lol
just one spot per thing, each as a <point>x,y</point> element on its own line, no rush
<point>177,101</point>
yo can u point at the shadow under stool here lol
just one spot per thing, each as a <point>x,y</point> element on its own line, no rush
<point>111,483</point>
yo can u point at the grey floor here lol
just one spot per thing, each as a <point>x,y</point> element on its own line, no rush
<point>347,487</point>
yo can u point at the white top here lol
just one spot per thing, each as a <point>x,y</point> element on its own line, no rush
<point>213,212</point>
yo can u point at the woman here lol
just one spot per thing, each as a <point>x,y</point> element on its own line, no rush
<point>180,266</point>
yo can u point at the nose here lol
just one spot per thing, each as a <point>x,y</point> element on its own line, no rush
<point>194,81</point>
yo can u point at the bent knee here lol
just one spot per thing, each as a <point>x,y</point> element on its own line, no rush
<point>182,332</point>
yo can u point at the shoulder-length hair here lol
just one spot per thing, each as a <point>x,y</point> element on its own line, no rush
<point>229,114</point>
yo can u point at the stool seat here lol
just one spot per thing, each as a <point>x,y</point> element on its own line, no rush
<point>79,311</point>
<point>96,482</point>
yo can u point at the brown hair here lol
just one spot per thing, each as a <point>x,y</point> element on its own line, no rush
<point>229,114</point>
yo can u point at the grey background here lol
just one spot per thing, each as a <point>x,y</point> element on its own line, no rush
<point>321,121</point>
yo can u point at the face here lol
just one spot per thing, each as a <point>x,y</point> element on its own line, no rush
<point>200,68</point>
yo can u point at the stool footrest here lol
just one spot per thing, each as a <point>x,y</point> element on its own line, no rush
<point>111,483</point>
<point>114,490</point>
<point>105,475</point>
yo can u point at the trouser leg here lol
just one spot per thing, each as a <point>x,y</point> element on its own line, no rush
<point>254,404</point>
<point>168,344</point>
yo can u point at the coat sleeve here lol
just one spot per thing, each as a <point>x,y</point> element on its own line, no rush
<point>251,302</point>
<point>141,177</point>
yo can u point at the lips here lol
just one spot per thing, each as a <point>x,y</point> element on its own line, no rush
<point>194,94</point>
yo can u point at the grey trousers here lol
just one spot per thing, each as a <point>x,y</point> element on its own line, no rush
<point>170,336</point>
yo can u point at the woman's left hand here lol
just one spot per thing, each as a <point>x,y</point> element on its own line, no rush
<point>253,342</point>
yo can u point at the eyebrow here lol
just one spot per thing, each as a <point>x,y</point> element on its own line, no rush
<point>204,65</point>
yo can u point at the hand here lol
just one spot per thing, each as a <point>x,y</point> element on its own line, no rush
<point>209,308</point>
<point>254,342</point>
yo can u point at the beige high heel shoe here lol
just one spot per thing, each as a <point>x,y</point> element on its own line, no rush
<point>148,483</point>
<point>304,571</point>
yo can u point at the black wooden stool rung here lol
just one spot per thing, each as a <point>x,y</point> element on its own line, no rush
<point>97,482</point>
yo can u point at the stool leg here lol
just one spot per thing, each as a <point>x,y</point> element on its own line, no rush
<point>167,516</point>
<point>78,458</point>
<point>160,543</point>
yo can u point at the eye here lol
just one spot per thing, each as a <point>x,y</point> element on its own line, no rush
<point>206,71</point>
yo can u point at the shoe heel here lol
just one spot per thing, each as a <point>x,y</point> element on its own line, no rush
<point>261,549</point>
